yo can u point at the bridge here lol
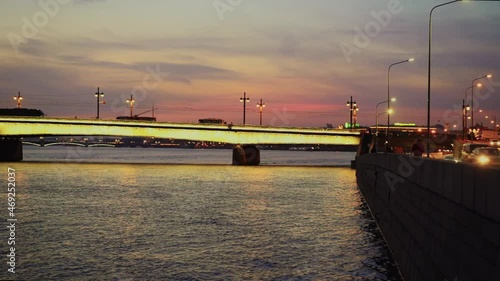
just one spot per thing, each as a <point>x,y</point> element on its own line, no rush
<point>243,137</point>
<point>81,144</point>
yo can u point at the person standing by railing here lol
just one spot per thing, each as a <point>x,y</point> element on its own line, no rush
<point>418,148</point>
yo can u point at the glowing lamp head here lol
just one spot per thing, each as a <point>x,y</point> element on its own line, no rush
<point>390,111</point>
<point>393,99</point>
<point>489,76</point>
<point>411,59</point>
<point>479,85</point>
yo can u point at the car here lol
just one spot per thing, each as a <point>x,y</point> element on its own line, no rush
<point>495,142</point>
<point>467,149</point>
<point>451,157</point>
<point>485,156</point>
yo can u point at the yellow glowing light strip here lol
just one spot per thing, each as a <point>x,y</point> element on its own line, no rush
<point>200,132</point>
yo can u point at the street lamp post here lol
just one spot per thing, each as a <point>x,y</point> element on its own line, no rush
<point>467,107</point>
<point>131,102</point>
<point>389,94</point>
<point>99,95</point>
<point>261,105</point>
<point>463,119</point>
<point>352,106</point>
<point>429,75</point>
<point>244,100</point>
<point>472,99</point>
<point>376,125</point>
<point>376,116</point>
<point>429,78</point>
<point>19,98</point>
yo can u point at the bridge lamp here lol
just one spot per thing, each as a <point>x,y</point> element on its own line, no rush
<point>355,115</point>
<point>261,106</point>
<point>244,100</point>
<point>19,98</point>
<point>131,102</point>
<point>99,95</point>
<point>352,107</point>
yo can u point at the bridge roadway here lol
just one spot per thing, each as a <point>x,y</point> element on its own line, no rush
<point>25,127</point>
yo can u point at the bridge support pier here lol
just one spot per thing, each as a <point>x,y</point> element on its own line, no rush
<point>246,155</point>
<point>11,150</point>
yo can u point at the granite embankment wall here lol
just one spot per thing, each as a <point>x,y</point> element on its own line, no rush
<point>441,219</point>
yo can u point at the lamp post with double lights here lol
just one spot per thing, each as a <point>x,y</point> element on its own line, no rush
<point>261,105</point>
<point>18,98</point>
<point>472,99</point>
<point>352,107</point>
<point>99,95</point>
<point>244,100</point>
<point>466,108</point>
<point>131,102</point>
<point>389,93</point>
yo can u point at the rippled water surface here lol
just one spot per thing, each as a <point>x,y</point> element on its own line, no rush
<point>122,221</point>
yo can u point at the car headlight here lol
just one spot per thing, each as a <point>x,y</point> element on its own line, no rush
<point>483,160</point>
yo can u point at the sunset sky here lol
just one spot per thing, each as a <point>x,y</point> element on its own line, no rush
<point>194,59</point>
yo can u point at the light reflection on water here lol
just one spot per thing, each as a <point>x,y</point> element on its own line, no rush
<point>196,222</point>
<point>180,156</point>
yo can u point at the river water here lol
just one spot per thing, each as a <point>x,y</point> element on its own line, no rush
<point>175,214</point>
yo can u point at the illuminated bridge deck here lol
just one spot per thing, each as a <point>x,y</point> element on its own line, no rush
<point>29,127</point>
